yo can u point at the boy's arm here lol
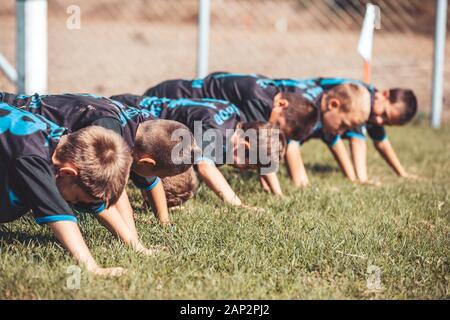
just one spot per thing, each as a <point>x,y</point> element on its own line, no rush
<point>156,198</point>
<point>385,149</point>
<point>125,210</point>
<point>359,155</point>
<point>264,185</point>
<point>295,165</point>
<point>69,235</point>
<point>271,183</point>
<point>341,155</point>
<point>216,181</point>
<point>35,175</point>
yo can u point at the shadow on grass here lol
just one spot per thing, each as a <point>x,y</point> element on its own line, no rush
<point>12,237</point>
<point>320,168</point>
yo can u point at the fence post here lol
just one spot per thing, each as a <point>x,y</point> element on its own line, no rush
<point>203,37</point>
<point>438,68</point>
<point>31,54</point>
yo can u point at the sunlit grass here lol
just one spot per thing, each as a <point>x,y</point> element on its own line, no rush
<point>316,243</point>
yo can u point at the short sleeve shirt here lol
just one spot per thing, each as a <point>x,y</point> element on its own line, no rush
<point>27,181</point>
<point>210,120</point>
<point>243,90</point>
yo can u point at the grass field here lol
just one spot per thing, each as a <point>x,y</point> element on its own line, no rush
<point>321,242</point>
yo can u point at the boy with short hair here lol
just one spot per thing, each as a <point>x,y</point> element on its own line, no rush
<point>42,169</point>
<point>180,188</point>
<point>389,107</point>
<point>219,128</point>
<point>258,102</point>
<point>148,138</point>
<point>298,112</point>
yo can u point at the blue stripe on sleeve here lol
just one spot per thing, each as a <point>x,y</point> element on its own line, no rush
<point>153,185</point>
<point>100,208</point>
<point>356,135</point>
<point>62,217</point>
<point>204,159</point>
<point>334,141</point>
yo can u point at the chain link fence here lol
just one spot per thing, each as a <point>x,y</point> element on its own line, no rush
<point>129,45</point>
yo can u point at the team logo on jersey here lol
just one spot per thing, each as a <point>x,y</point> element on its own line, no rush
<point>22,123</point>
<point>18,122</point>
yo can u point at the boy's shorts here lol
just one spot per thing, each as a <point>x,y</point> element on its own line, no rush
<point>10,207</point>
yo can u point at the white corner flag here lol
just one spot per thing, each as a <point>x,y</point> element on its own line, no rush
<point>365,45</point>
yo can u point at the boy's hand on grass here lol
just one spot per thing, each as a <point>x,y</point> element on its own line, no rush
<point>303,184</point>
<point>109,272</point>
<point>165,223</point>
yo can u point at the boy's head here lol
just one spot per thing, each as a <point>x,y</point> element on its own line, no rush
<point>394,107</point>
<point>344,107</point>
<point>180,188</point>
<point>295,115</point>
<point>257,145</point>
<point>92,166</point>
<point>155,140</point>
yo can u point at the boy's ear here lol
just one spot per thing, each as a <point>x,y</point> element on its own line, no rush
<point>386,94</point>
<point>147,162</point>
<point>68,170</point>
<point>334,103</point>
<point>283,103</point>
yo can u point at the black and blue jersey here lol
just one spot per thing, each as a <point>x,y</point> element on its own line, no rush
<point>77,111</point>
<point>313,90</point>
<point>243,90</point>
<point>27,177</point>
<point>201,116</point>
